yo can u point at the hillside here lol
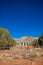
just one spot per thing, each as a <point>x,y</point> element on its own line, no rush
<point>25,39</point>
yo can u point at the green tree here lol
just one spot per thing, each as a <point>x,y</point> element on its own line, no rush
<point>11,42</point>
<point>40,40</point>
<point>1,32</point>
<point>5,40</point>
<point>4,34</point>
<point>35,42</point>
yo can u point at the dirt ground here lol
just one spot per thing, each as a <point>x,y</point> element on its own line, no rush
<point>21,56</point>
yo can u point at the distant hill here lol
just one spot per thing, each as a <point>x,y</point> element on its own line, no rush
<point>26,38</point>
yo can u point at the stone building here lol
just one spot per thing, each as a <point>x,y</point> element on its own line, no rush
<point>20,42</point>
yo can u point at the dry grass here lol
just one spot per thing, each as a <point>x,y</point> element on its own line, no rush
<point>21,56</point>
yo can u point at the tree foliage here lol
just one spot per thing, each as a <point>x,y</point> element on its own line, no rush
<point>35,42</point>
<point>40,40</point>
<point>5,40</point>
<point>4,34</point>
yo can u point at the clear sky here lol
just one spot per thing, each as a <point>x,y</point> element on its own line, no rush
<point>22,17</point>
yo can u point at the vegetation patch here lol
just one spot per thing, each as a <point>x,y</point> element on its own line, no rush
<point>6,42</point>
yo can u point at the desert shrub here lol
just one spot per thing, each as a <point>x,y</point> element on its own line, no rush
<point>4,45</point>
<point>35,43</point>
<point>11,42</point>
<point>40,40</point>
<point>5,41</point>
<point>4,34</point>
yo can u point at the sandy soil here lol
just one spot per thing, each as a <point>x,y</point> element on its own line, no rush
<point>21,56</point>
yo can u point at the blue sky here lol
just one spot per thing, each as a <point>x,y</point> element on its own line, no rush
<point>22,17</point>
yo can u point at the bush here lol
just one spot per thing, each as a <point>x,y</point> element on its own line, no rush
<point>11,42</point>
<point>40,40</point>
<point>5,41</point>
<point>35,43</point>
